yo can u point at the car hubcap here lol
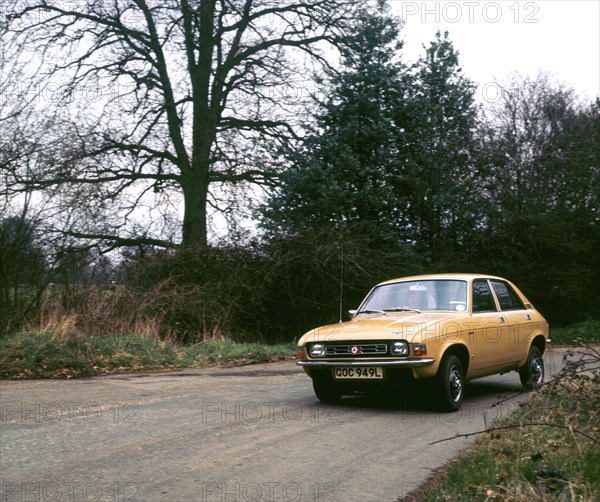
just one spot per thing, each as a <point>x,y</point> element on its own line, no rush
<point>455,384</point>
<point>537,370</point>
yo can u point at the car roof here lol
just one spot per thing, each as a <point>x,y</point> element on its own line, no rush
<point>449,276</point>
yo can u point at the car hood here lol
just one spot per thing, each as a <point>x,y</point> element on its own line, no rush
<point>412,327</point>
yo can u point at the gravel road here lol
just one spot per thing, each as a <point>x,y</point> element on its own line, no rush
<point>251,433</point>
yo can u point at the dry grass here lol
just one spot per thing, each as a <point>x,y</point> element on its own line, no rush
<point>167,312</point>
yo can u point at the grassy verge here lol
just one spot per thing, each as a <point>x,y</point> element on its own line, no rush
<point>33,355</point>
<point>549,450</point>
<point>587,332</point>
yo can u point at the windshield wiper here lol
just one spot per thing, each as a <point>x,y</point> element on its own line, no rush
<point>402,309</point>
<point>370,311</point>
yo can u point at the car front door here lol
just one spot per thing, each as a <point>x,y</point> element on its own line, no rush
<point>489,332</point>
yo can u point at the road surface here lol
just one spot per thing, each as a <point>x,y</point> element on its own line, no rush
<point>251,433</point>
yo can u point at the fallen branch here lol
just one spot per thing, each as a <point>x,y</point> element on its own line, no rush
<point>525,424</point>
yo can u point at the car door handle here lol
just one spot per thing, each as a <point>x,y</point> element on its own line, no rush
<point>501,319</point>
<point>528,317</point>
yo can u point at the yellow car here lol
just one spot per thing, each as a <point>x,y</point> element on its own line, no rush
<point>447,329</point>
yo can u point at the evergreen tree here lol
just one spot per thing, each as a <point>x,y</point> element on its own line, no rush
<point>338,211</point>
<point>393,147</point>
<point>440,154</point>
<point>344,168</point>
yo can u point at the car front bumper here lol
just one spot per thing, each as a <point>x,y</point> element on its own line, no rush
<point>405,363</point>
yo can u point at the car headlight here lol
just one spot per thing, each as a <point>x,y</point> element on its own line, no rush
<point>317,350</point>
<point>419,349</point>
<point>399,348</point>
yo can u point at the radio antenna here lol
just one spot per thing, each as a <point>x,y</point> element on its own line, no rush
<point>342,280</point>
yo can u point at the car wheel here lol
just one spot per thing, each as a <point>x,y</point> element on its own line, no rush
<point>326,391</point>
<point>532,373</point>
<point>450,384</point>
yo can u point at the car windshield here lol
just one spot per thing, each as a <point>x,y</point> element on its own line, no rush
<point>418,296</point>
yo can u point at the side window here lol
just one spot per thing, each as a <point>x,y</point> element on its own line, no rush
<point>483,301</point>
<point>508,299</point>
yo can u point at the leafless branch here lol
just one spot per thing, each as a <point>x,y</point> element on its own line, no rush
<point>169,80</point>
<point>517,426</point>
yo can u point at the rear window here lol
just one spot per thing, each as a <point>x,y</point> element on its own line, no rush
<point>508,299</point>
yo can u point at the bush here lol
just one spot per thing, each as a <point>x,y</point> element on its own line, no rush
<point>272,292</point>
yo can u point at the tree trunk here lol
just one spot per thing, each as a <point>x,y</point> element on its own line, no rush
<point>195,195</point>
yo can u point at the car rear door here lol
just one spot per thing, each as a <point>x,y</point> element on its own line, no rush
<point>518,318</point>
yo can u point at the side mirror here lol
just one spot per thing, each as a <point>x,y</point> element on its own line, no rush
<point>352,313</point>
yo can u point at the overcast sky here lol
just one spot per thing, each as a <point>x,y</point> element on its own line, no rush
<point>496,38</point>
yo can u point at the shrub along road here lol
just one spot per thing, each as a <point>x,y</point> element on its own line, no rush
<point>228,434</point>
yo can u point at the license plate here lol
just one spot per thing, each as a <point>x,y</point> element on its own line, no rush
<point>370,373</point>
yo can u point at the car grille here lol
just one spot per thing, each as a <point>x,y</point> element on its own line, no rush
<point>362,349</point>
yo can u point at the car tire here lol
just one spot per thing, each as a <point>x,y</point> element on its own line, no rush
<point>450,384</point>
<point>532,373</point>
<point>326,391</point>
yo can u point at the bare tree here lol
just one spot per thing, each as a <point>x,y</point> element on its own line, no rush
<point>542,146</point>
<point>160,100</point>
